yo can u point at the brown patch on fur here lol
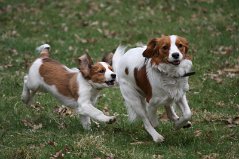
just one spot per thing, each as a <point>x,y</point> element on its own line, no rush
<point>54,73</point>
<point>126,71</point>
<point>111,68</point>
<point>108,58</point>
<point>97,73</point>
<point>183,45</point>
<point>158,50</point>
<point>85,63</point>
<point>142,82</point>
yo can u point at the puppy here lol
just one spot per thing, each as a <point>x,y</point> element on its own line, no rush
<point>76,88</point>
<point>153,75</point>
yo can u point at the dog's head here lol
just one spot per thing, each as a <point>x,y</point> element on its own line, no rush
<point>99,74</point>
<point>167,49</point>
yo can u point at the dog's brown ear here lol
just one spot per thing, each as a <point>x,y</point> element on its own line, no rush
<point>108,58</point>
<point>151,48</point>
<point>85,63</point>
<point>184,42</point>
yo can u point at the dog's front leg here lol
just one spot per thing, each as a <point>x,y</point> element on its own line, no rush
<point>87,109</point>
<point>186,114</point>
<point>171,112</point>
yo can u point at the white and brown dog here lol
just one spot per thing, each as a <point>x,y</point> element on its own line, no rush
<point>154,75</point>
<point>76,88</point>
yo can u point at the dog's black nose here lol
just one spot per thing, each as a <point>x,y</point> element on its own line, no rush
<point>175,55</point>
<point>113,76</point>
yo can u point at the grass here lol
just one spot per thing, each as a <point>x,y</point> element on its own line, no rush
<point>75,27</point>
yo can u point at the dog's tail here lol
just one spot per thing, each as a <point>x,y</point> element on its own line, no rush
<point>44,50</point>
<point>117,55</point>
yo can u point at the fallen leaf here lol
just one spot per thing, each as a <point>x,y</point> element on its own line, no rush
<point>236,120</point>
<point>64,111</point>
<point>52,143</point>
<point>197,133</point>
<point>58,155</point>
<point>223,50</point>
<point>211,156</point>
<point>157,156</point>
<point>232,122</point>
<point>232,70</point>
<point>31,124</point>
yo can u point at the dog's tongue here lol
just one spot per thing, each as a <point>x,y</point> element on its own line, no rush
<point>176,62</point>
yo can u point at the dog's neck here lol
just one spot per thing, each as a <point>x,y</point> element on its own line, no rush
<point>184,69</point>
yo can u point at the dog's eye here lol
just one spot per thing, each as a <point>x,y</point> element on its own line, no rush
<point>165,47</point>
<point>102,71</point>
<point>180,46</point>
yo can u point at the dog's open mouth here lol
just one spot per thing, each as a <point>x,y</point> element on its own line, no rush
<point>110,83</point>
<point>175,62</point>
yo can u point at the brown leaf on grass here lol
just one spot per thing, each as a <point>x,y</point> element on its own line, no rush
<point>216,77</point>
<point>82,40</point>
<point>157,156</point>
<point>64,111</point>
<point>232,122</point>
<point>232,70</point>
<point>58,155</point>
<point>223,50</point>
<point>52,143</point>
<point>211,156</point>
<point>31,124</point>
<point>236,120</point>
<point>197,133</point>
<point>37,106</point>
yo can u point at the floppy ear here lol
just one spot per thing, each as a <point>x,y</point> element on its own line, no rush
<point>85,63</point>
<point>108,58</point>
<point>185,43</point>
<point>151,48</point>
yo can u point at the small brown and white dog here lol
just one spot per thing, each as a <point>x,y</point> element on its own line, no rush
<point>76,88</point>
<point>153,75</point>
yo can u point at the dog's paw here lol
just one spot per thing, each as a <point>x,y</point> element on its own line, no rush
<point>158,138</point>
<point>188,125</point>
<point>182,124</point>
<point>111,120</point>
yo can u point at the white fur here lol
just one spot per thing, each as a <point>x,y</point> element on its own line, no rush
<point>174,49</point>
<point>168,88</point>
<point>87,91</point>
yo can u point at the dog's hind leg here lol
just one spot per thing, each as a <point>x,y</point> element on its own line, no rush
<point>27,94</point>
<point>132,99</point>
<point>85,121</point>
<point>171,112</point>
<point>152,115</point>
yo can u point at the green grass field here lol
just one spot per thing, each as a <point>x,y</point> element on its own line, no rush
<point>98,27</point>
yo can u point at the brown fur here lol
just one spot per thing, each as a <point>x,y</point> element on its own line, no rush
<point>55,74</point>
<point>142,82</point>
<point>108,58</point>
<point>97,73</point>
<point>184,47</point>
<point>158,50</point>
